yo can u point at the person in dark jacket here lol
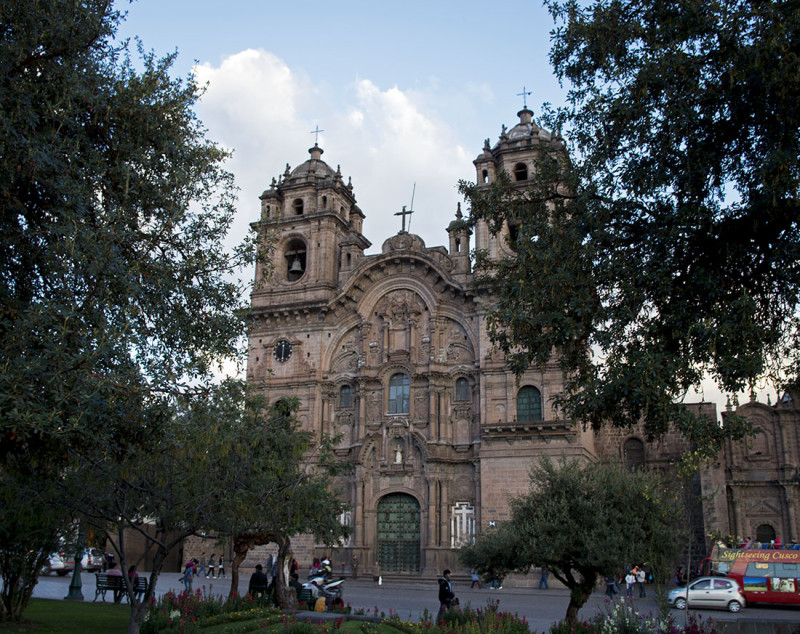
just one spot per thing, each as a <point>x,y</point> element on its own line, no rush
<point>446,594</point>
<point>258,582</point>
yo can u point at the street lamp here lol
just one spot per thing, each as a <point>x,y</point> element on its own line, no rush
<point>75,593</point>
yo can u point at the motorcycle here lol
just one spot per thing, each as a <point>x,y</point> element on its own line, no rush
<point>331,590</point>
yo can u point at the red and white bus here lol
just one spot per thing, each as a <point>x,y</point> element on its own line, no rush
<point>765,575</point>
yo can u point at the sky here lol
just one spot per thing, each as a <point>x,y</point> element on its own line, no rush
<point>404,93</point>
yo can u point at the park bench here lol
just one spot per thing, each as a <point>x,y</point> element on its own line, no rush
<point>112,583</point>
<point>260,592</point>
<point>305,599</point>
<point>105,583</point>
<point>139,587</point>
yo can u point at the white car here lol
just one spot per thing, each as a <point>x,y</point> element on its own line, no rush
<point>709,592</point>
<point>55,563</point>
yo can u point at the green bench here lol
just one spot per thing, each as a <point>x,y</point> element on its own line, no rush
<point>116,584</point>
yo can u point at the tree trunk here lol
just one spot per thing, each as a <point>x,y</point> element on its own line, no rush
<point>241,545</point>
<point>285,597</point>
<point>579,594</point>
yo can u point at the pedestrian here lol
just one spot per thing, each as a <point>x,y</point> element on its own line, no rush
<point>211,570</point>
<point>543,580</point>
<point>355,566</point>
<point>376,574</point>
<point>446,594</point>
<point>187,576</point>
<point>476,578</point>
<point>610,587</point>
<point>641,579</point>
<point>202,569</point>
<point>221,567</point>
<point>630,579</point>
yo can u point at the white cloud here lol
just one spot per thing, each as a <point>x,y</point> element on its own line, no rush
<point>386,139</point>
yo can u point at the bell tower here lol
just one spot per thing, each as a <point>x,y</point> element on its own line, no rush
<point>516,153</point>
<point>316,225</point>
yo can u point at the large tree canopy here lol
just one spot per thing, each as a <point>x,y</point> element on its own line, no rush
<point>116,284</point>
<point>117,291</point>
<point>579,521</point>
<point>668,244</point>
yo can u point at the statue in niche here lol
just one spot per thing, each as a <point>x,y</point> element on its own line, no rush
<point>398,454</point>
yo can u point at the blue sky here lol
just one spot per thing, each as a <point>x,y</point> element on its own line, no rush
<point>406,92</point>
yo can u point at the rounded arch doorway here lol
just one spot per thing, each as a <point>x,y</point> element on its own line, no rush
<point>398,533</point>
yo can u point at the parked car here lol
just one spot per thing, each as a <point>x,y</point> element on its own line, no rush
<point>709,592</point>
<point>55,563</point>
<point>92,559</point>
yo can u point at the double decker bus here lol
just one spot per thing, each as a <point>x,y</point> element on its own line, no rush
<point>765,575</point>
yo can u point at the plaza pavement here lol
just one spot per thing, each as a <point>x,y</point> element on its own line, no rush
<point>410,598</point>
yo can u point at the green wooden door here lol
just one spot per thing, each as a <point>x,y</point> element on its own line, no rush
<point>398,533</point>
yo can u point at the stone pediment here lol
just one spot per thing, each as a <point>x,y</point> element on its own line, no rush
<point>403,242</point>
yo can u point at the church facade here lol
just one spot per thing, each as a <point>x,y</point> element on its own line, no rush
<point>390,353</point>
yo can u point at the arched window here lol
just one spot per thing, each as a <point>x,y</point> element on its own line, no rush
<point>295,256</point>
<point>520,172</point>
<point>462,389</point>
<point>529,404</point>
<point>398,394</point>
<point>324,202</point>
<point>485,176</point>
<point>633,452</point>
<point>346,396</point>
<point>297,206</point>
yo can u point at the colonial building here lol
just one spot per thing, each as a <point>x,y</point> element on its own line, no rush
<point>390,351</point>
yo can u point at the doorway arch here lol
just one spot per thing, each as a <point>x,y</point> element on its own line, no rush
<point>398,533</point>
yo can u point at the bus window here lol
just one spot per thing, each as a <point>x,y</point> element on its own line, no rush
<point>760,569</point>
<point>782,585</point>
<point>754,584</point>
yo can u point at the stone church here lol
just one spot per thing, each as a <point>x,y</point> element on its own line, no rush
<point>390,351</point>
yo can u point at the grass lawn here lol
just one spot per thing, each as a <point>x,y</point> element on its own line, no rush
<point>71,617</point>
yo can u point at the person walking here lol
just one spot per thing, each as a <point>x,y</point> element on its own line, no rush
<point>221,567</point>
<point>202,569</point>
<point>211,571</point>
<point>641,579</point>
<point>446,594</point>
<point>543,580</point>
<point>630,579</point>
<point>476,578</point>
<point>611,589</point>
<point>188,576</point>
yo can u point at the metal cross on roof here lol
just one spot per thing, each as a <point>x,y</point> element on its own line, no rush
<point>524,94</point>
<point>316,132</point>
<point>404,213</point>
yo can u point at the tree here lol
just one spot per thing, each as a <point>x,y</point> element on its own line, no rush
<point>32,524</point>
<point>668,243</point>
<point>224,463</point>
<point>117,291</point>
<point>288,493</point>
<point>579,521</point>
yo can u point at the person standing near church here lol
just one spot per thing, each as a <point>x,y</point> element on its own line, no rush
<point>446,594</point>
<point>355,566</point>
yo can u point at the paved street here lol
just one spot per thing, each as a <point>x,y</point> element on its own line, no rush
<point>410,599</point>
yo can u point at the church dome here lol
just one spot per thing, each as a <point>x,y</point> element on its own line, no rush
<point>313,167</point>
<point>525,129</point>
